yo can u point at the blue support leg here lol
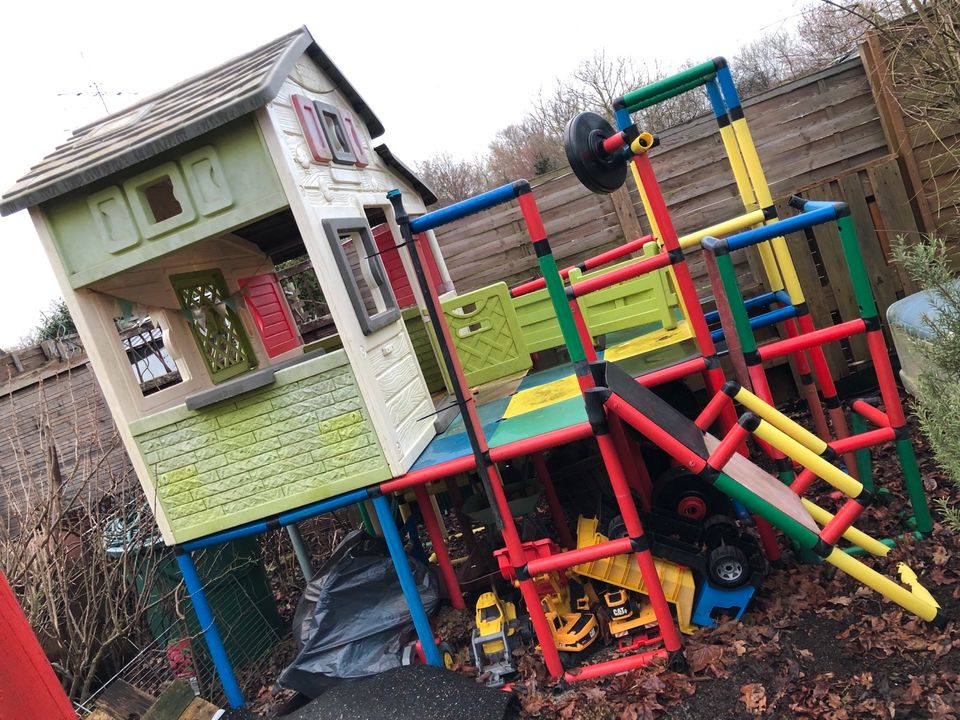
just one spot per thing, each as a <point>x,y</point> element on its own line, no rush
<point>209,629</point>
<point>407,583</point>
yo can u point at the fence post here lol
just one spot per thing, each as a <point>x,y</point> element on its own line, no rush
<point>626,216</point>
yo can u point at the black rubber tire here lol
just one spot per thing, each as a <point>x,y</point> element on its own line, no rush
<point>447,655</point>
<point>677,483</point>
<point>719,530</point>
<point>728,567</point>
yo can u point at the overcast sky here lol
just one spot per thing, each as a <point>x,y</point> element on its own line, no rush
<point>441,76</point>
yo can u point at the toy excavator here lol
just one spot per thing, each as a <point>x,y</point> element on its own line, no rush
<point>628,616</point>
<point>496,636</point>
<point>574,627</point>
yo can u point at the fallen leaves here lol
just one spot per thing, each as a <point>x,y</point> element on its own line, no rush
<point>754,696</point>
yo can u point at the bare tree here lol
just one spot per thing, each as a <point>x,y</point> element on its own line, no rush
<point>921,55</point>
<point>74,539</point>
<point>523,150</point>
<point>453,180</point>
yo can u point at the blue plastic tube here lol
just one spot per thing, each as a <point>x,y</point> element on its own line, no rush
<point>409,586</point>
<point>760,321</point>
<point>218,653</point>
<point>470,206</point>
<point>781,227</point>
<point>759,301</point>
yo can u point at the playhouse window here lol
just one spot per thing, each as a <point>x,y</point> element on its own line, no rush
<point>161,200</point>
<point>333,127</point>
<point>214,324</point>
<point>363,273</point>
<point>150,361</point>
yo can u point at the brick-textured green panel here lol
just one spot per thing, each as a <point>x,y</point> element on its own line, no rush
<point>225,180</point>
<point>303,439</point>
<point>423,348</point>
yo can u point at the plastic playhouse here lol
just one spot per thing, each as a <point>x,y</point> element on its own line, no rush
<point>182,207</point>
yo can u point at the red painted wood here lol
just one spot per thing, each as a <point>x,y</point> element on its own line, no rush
<point>28,686</point>
<point>268,306</point>
<point>306,113</point>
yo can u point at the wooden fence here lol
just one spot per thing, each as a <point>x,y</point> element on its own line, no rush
<point>51,399</point>
<point>927,150</point>
<point>820,135</point>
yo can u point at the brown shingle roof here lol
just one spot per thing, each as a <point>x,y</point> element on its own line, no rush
<point>172,117</point>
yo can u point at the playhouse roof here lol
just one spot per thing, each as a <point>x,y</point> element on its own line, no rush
<point>173,116</point>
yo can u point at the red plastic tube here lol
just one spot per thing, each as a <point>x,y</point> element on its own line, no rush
<point>803,481</point>
<point>547,440</point>
<point>531,217</point>
<point>614,143</point>
<point>556,510</point>
<point>888,384</point>
<point>864,440</point>
<point>429,474</point>
<point>811,339</point>
<point>641,267</point>
<point>617,665</point>
<point>728,447</point>
<point>631,520</point>
<point>846,516</point>
<point>570,558</point>
<point>874,415</point>
<point>637,475</point>
<point>589,264</point>
<point>808,389</point>
<point>583,331</point>
<point>710,413</point>
<point>674,372</point>
<point>439,547</point>
<point>661,437</point>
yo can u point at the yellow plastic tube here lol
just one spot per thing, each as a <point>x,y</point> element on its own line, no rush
<point>851,534</point>
<point>882,584</point>
<point>762,190</point>
<point>727,227</point>
<point>780,421</point>
<point>909,577</point>
<point>742,178</point>
<point>809,459</point>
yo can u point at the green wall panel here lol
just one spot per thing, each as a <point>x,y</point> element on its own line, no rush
<point>221,180</point>
<point>305,438</point>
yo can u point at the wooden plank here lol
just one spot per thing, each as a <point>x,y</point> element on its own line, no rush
<point>199,709</point>
<point>121,700</point>
<point>622,206</point>
<point>172,702</point>
<point>894,208</point>
<point>828,242</point>
<point>883,279</point>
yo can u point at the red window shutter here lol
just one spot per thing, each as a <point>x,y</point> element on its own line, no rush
<point>392,262</point>
<point>354,134</point>
<point>310,126</point>
<point>268,306</point>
